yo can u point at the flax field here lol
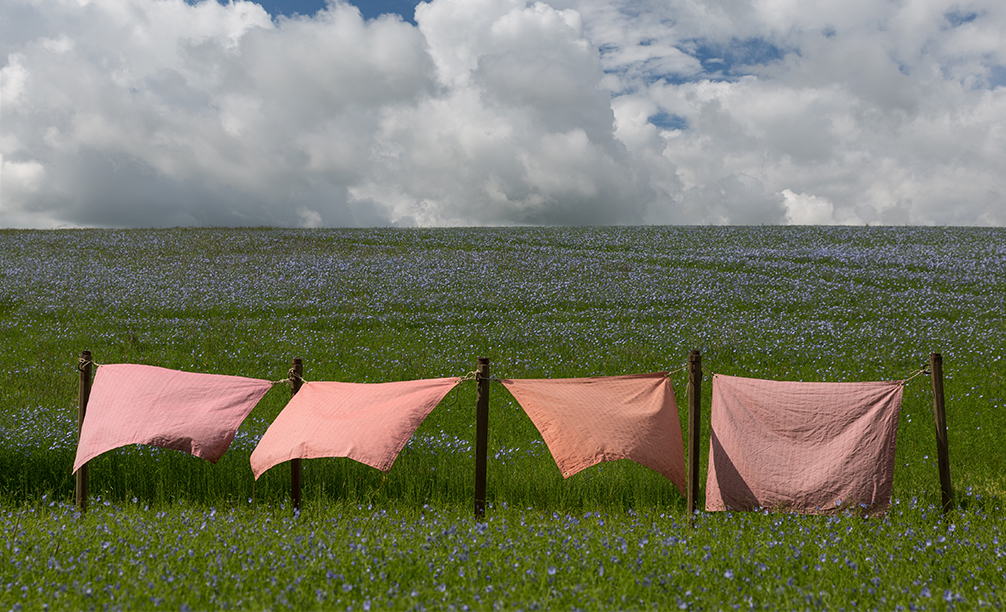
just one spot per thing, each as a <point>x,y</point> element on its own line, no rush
<point>169,531</point>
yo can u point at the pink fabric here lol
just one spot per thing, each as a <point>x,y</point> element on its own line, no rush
<point>816,448</point>
<point>369,423</point>
<point>585,421</point>
<point>139,404</point>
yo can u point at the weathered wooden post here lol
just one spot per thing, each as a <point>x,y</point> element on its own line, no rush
<point>84,366</point>
<point>694,392</point>
<point>296,378</point>
<point>940,416</point>
<point>481,435</point>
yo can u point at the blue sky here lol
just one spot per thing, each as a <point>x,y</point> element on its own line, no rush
<point>487,112</point>
<point>370,9</point>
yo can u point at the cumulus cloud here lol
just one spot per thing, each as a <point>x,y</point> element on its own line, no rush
<point>888,112</point>
<point>163,112</point>
<point>803,209</point>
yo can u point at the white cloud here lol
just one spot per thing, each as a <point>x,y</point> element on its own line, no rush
<point>878,107</point>
<point>12,81</point>
<point>805,209</point>
<point>160,112</point>
<point>22,177</point>
<point>309,218</point>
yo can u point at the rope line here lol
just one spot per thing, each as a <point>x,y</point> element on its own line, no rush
<point>673,372</point>
<point>453,391</point>
<point>473,375</point>
<point>917,373</point>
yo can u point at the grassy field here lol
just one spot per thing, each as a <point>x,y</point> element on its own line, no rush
<point>814,304</point>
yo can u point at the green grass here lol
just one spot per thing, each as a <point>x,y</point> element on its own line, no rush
<point>336,556</point>
<point>821,304</point>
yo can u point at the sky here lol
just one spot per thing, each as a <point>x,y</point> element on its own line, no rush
<point>307,113</point>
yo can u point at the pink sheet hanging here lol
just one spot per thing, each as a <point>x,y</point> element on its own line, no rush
<point>815,448</point>
<point>369,423</point>
<point>139,404</point>
<point>585,421</point>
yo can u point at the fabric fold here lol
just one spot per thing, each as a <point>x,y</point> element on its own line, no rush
<point>366,422</point>
<point>139,404</point>
<point>585,421</point>
<point>815,448</point>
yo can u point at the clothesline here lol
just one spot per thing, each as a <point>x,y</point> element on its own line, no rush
<point>200,413</point>
<point>473,375</point>
<point>583,421</point>
<point>470,376</point>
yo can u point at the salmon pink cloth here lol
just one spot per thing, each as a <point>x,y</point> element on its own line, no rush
<point>815,448</point>
<point>585,421</point>
<point>369,423</point>
<point>140,404</point>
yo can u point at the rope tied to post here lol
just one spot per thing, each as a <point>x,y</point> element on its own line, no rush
<point>473,375</point>
<point>462,379</point>
<point>291,376</point>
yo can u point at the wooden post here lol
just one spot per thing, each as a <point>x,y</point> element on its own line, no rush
<point>694,427</point>
<point>481,435</point>
<point>85,366</point>
<point>296,373</point>
<point>940,416</point>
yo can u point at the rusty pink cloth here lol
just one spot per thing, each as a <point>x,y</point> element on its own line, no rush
<point>815,448</point>
<point>139,404</point>
<point>369,423</point>
<point>585,421</point>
